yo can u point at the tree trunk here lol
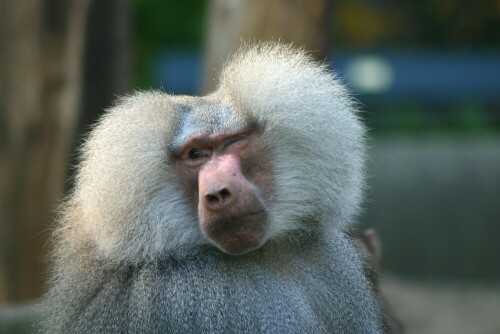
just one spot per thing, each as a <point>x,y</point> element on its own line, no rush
<point>40,62</point>
<point>105,66</point>
<point>304,23</point>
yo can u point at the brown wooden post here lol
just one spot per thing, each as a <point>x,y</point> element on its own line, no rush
<point>40,78</point>
<point>304,23</point>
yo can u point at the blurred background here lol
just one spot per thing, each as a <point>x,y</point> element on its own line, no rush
<point>426,74</point>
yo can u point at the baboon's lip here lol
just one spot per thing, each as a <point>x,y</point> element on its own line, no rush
<point>250,215</point>
<point>231,224</point>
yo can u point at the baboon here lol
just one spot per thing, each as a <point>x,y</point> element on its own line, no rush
<point>218,214</point>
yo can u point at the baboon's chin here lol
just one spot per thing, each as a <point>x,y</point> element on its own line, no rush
<point>238,235</point>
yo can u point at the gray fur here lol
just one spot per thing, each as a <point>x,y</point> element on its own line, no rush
<point>130,256</point>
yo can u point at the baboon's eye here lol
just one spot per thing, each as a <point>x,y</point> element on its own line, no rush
<point>197,153</point>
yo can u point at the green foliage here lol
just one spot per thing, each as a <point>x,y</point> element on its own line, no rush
<point>471,116</point>
<point>410,116</point>
<point>416,24</point>
<point>158,24</point>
